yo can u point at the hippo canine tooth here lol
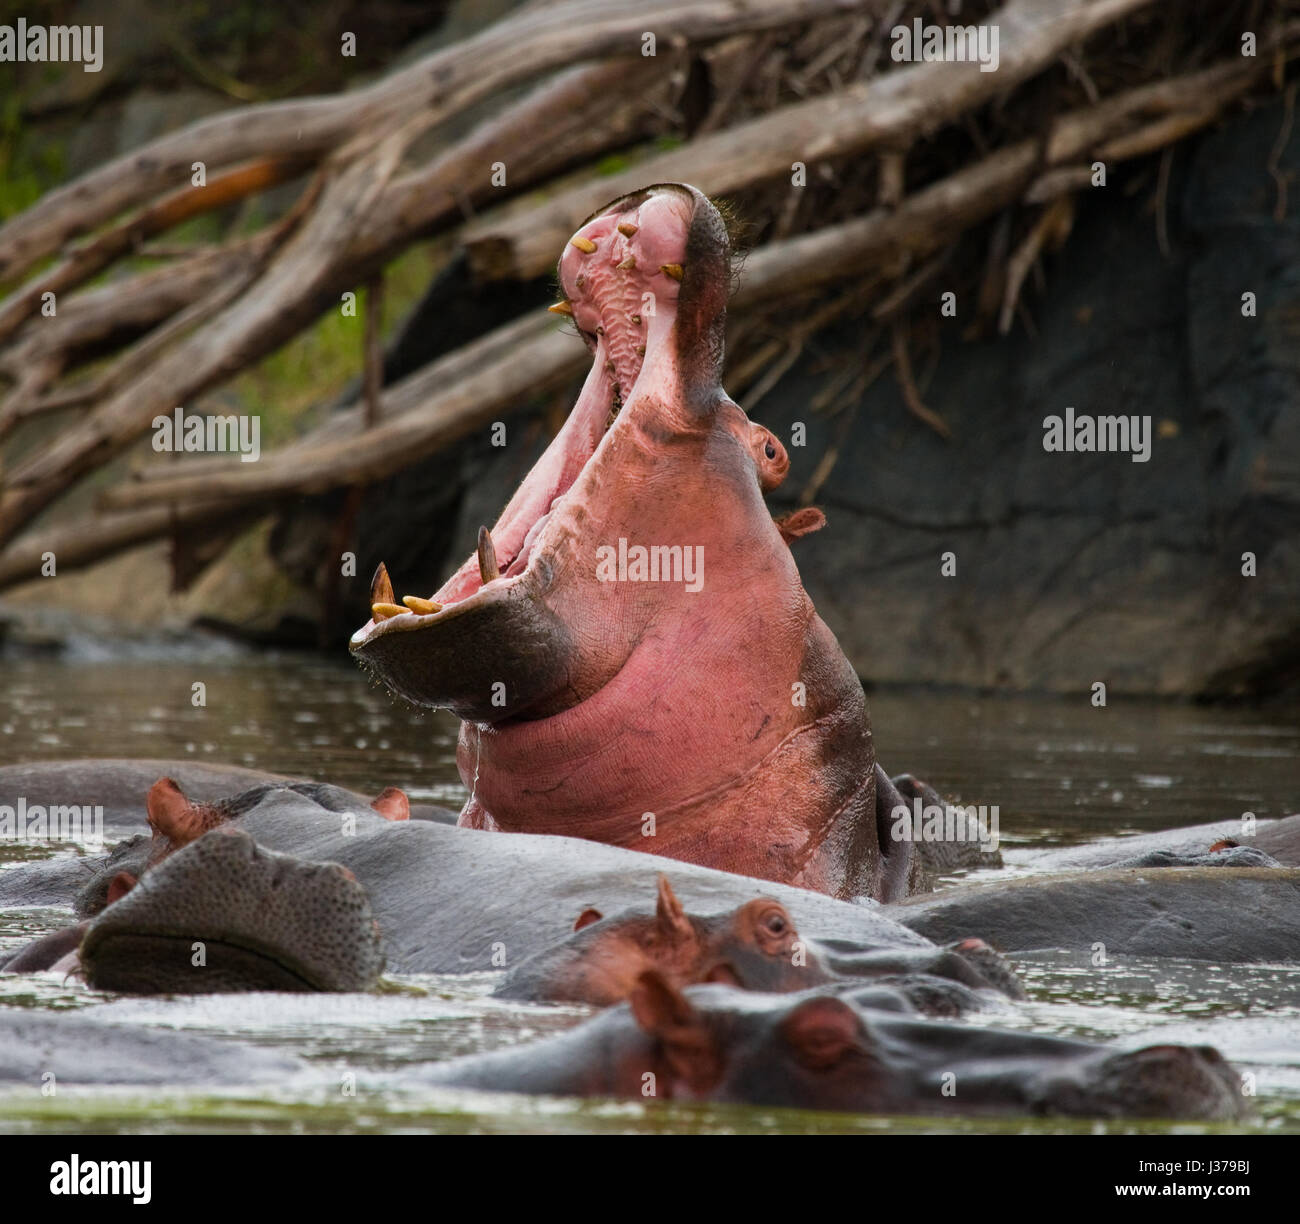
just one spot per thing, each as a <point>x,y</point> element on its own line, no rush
<point>673,270</point>
<point>562,308</point>
<point>383,610</point>
<point>423,606</point>
<point>487,557</point>
<point>585,245</point>
<point>381,588</point>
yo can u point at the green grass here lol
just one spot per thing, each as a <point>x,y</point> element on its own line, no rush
<point>320,361</point>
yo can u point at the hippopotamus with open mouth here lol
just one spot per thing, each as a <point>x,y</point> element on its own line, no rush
<point>631,650</point>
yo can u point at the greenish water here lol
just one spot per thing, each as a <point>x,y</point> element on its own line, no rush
<point>1061,772</point>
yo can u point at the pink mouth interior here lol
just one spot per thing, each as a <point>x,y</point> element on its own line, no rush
<point>609,309</point>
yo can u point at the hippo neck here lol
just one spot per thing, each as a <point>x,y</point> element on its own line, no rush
<point>788,794</point>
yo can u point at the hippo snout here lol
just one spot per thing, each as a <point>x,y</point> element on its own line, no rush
<point>224,914</point>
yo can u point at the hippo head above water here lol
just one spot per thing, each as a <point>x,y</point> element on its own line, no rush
<point>631,649</point>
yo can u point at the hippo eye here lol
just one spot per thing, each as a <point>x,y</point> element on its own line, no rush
<point>775,923</point>
<point>770,451</point>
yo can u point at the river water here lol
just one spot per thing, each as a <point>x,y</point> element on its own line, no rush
<point>1059,771</point>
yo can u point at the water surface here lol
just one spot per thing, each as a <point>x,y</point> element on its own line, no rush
<point>1060,772</point>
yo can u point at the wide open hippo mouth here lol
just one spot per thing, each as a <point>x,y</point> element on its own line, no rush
<point>645,281</point>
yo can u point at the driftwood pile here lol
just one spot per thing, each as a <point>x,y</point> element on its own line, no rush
<point>915,175</point>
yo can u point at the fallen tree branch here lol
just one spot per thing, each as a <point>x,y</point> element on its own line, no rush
<point>535,39</point>
<point>907,385</point>
<point>544,360</point>
<point>905,103</point>
<point>126,237</point>
<point>418,202</point>
<point>206,356</point>
<point>75,545</point>
<point>340,453</point>
<point>930,219</point>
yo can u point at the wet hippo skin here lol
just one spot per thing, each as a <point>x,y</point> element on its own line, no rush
<point>592,694</point>
<point>1233,914</point>
<point>711,1043</point>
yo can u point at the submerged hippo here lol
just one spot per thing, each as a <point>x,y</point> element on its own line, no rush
<point>213,914</point>
<point>754,947</point>
<point>180,911</point>
<point>454,900</point>
<point>631,649</point>
<point>446,899</point>
<point>818,1051</point>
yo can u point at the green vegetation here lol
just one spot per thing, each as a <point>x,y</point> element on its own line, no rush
<point>320,361</point>
<point>28,168</point>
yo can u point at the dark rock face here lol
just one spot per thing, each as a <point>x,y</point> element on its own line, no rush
<point>1074,568</point>
<point>1071,568</point>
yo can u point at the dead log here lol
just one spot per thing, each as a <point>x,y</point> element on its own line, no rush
<point>84,262</point>
<point>75,545</point>
<point>575,110</point>
<point>541,358</point>
<point>143,384</point>
<point>534,40</point>
<point>903,104</point>
<point>474,385</point>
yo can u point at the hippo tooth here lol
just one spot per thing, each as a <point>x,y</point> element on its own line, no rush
<point>487,557</point>
<point>381,588</point>
<point>627,229</point>
<point>585,245</point>
<point>423,606</point>
<point>628,265</point>
<point>673,270</point>
<point>383,610</point>
<point>564,308</point>
<point>636,319</point>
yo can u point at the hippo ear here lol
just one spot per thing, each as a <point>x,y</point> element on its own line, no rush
<point>169,810</point>
<point>120,885</point>
<point>821,1031</point>
<point>587,917</point>
<point>670,917</point>
<point>687,1045</point>
<point>800,523</point>
<point>392,804</point>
